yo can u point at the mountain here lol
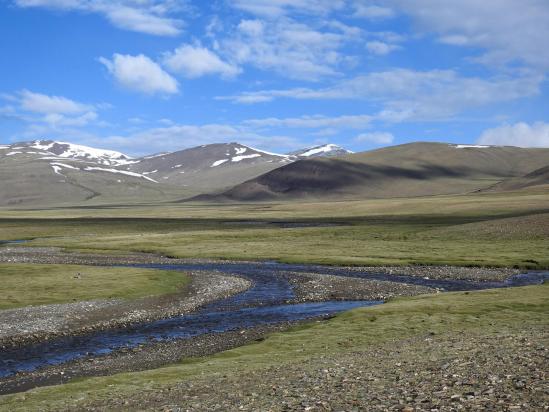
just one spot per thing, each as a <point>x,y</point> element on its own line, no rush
<point>45,172</point>
<point>415,169</point>
<point>73,151</point>
<point>48,172</point>
<point>209,167</point>
<point>327,150</point>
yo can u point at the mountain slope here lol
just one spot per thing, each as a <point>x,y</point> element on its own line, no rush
<point>209,167</point>
<point>539,177</point>
<point>416,169</point>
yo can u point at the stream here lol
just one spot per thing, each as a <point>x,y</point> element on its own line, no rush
<point>263,304</point>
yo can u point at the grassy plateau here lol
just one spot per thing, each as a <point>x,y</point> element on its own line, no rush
<point>29,285</point>
<point>468,230</point>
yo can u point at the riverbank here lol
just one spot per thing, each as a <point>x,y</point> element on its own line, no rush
<point>56,255</point>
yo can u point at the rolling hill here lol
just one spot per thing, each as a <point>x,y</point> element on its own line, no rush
<point>415,169</point>
<point>539,177</point>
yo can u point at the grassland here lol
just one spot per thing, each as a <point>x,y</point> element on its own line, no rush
<point>25,285</point>
<point>490,312</point>
<point>510,229</point>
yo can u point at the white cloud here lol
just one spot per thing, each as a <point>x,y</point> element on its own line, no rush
<point>404,94</point>
<point>375,137</point>
<point>279,8</point>
<point>180,136</point>
<point>143,21</point>
<point>42,103</point>
<point>519,134</point>
<point>196,61</point>
<point>51,115</point>
<point>313,122</point>
<point>144,16</point>
<point>380,48</point>
<point>372,11</point>
<point>141,74</point>
<point>60,120</point>
<point>508,30</point>
<point>289,48</point>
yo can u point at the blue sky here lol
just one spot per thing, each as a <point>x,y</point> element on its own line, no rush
<point>144,76</point>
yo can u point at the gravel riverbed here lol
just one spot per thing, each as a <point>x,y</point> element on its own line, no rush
<point>313,287</point>
<point>37,323</point>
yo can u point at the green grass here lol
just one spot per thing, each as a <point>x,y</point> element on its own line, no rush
<point>25,285</point>
<point>490,311</point>
<point>473,230</point>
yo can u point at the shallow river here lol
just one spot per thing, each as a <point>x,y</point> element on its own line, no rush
<point>264,303</point>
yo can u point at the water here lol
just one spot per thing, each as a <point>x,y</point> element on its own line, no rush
<point>181,327</point>
<point>11,242</point>
<point>263,304</point>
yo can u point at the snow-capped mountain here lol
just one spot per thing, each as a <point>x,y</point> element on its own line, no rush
<point>74,151</point>
<point>212,166</point>
<point>327,150</point>
<point>47,171</point>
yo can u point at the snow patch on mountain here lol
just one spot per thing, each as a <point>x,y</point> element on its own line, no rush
<point>64,165</point>
<point>239,158</point>
<point>75,151</point>
<point>328,149</point>
<point>469,146</point>
<point>219,162</point>
<point>57,170</point>
<point>122,172</point>
<point>269,153</point>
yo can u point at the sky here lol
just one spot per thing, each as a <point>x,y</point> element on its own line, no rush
<point>147,76</point>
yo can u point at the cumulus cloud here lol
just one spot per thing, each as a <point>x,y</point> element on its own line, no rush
<point>145,16</point>
<point>42,103</point>
<point>519,134</point>
<point>141,74</point>
<point>375,137</point>
<point>196,61</point>
<point>44,115</point>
